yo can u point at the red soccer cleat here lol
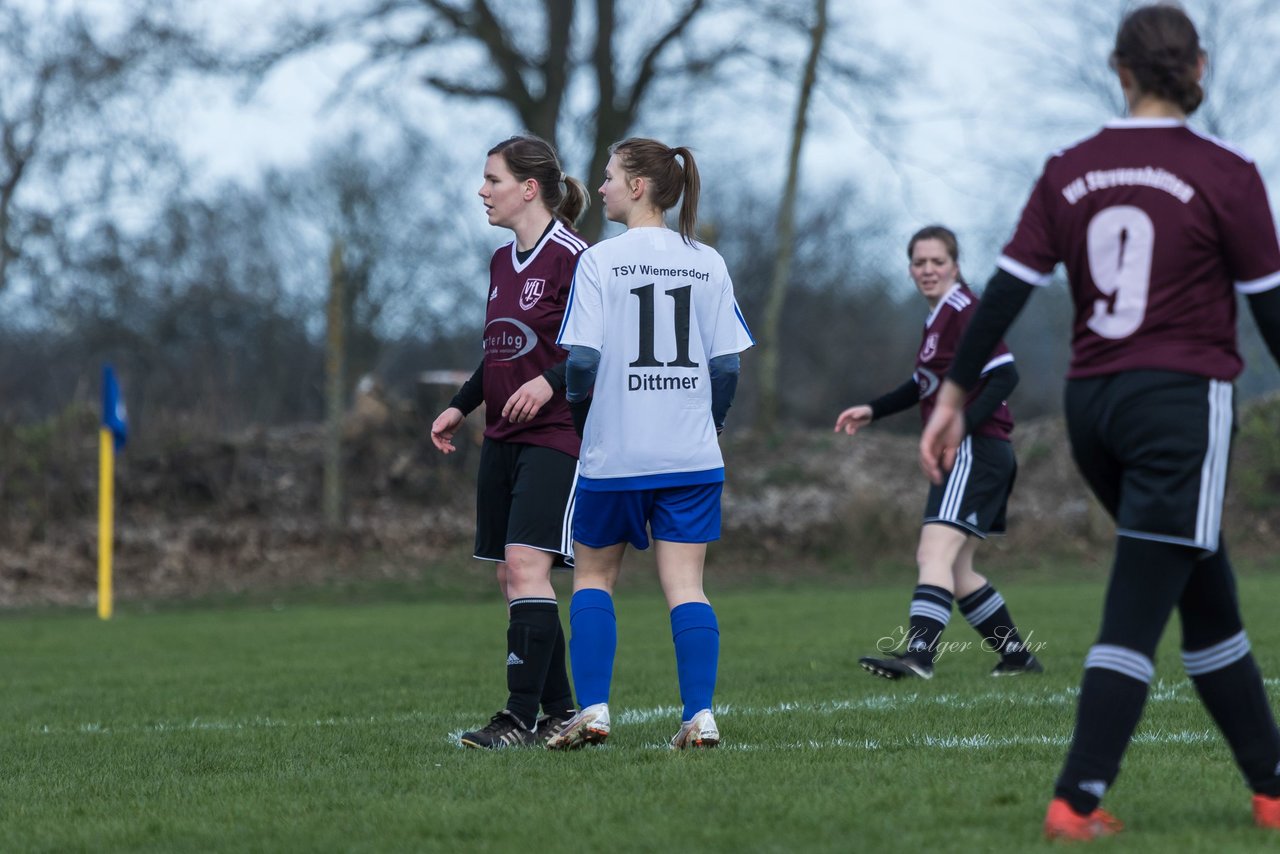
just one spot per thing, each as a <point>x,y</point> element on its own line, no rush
<point>1062,822</point>
<point>1266,811</point>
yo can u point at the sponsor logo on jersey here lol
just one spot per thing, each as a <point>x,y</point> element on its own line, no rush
<point>928,381</point>
<point>514,659</point>
<point>506,338</point>
<point>493,294</point>
<point>533,290</point>
<point>930,348</point>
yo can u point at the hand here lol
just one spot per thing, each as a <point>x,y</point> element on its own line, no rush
<point>943,434</point>
<point>527,400</point>
<point>853,419</point>
<point>443,428</point>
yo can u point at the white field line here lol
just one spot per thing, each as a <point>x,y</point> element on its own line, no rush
<point>981,741</point>
<point>1161,692</point>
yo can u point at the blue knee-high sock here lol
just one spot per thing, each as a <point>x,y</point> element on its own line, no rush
<point>696,634</point>
<point>592,644</point>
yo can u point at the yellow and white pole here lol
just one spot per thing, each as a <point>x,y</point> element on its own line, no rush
<point>106,514</point>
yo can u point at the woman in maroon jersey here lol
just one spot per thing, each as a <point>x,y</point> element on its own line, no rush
<point>1159,228</point>
<point>971,503</point>
<point>528,463</point>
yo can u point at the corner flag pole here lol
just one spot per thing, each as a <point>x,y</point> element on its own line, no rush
<point>106,515</point>
<point>111,438</point>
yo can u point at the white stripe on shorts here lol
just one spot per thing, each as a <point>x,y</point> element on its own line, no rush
<point>566,524</point>
<point>954,493</point>
<point>1213,472</point>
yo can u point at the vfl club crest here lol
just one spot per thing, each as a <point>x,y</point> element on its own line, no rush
<point>532,292</point>
<point>930,348</point>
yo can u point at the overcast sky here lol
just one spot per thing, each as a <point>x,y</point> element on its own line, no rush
<point>968,140</point>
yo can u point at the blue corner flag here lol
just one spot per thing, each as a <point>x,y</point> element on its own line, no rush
<point>114,417</point>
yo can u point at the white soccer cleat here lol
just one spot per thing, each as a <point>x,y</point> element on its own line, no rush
<point>699,732</point>
<point>589,726</point>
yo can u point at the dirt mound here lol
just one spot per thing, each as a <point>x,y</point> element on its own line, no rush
<point>243,512</point>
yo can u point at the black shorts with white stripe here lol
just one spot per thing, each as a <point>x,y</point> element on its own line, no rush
<point>524,497</point>
<point>975,495</point>
<point>1153,446</point>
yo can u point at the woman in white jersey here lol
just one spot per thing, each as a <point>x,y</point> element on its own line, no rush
<point>653,326</point>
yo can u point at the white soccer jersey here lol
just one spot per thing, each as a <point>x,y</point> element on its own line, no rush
<point>658,310</point>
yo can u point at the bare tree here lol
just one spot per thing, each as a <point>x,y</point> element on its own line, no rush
<point>1065,59</point>
<point>525,56</point>
<point>768,414</point>
<point>76,137</point>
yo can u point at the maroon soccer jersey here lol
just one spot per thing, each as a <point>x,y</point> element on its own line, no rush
<point>1158,226</point>
<point>943,330</point>
<point>526,304</point>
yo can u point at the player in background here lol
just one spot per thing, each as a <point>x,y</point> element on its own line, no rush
<point>528,462</point>
<point>971,503</point>
<point>653,326</point>
<point>1159,228</point>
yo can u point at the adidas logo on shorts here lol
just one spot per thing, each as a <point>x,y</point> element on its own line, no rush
<point>514,659</point>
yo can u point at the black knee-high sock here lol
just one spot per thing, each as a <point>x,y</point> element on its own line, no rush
<point>531,639</point>
<point>1147,580</point>
<point>1108,712</point>
<point>987,613</point>
<point>557,695</point>
<point>930,613</point>
<point>1237,700</point>
<point>1215,652</point>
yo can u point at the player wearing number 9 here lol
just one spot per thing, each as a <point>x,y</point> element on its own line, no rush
<point>1159,228</point>
<point>652,325</point>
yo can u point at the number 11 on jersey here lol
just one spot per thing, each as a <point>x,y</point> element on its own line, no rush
<point>647,358</point>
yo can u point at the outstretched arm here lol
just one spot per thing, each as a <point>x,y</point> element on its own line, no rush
<point>901,398</point>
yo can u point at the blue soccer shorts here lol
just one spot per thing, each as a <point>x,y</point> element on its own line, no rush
<point>677,514</point>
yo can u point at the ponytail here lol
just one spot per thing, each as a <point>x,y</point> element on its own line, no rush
<point>692,188</point>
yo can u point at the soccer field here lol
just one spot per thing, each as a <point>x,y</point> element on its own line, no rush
<point>325,728</point>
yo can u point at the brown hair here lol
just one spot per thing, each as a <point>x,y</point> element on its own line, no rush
<point>1160,47</point>
<point>948,239</point>
<point>532,158</point>
<point>655,162</point>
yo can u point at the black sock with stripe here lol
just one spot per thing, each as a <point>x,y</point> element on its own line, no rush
<point>1109,710</point>
<point>531,640</point>
<point>930,613</point>
<point>986,611</point>
<point>1147,579</point>
<point>1216,655</point>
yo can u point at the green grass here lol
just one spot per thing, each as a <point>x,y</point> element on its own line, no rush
<point>326,727</point>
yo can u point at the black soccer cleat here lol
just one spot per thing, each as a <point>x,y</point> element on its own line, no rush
<point>503,730</point>
<point>896,667</point>
<point>549,726</point>
<point>1008,668</point>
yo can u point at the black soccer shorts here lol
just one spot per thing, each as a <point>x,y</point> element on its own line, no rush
<point>524,497</point>
<point>1154,447</point>
<point>975,495</point>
